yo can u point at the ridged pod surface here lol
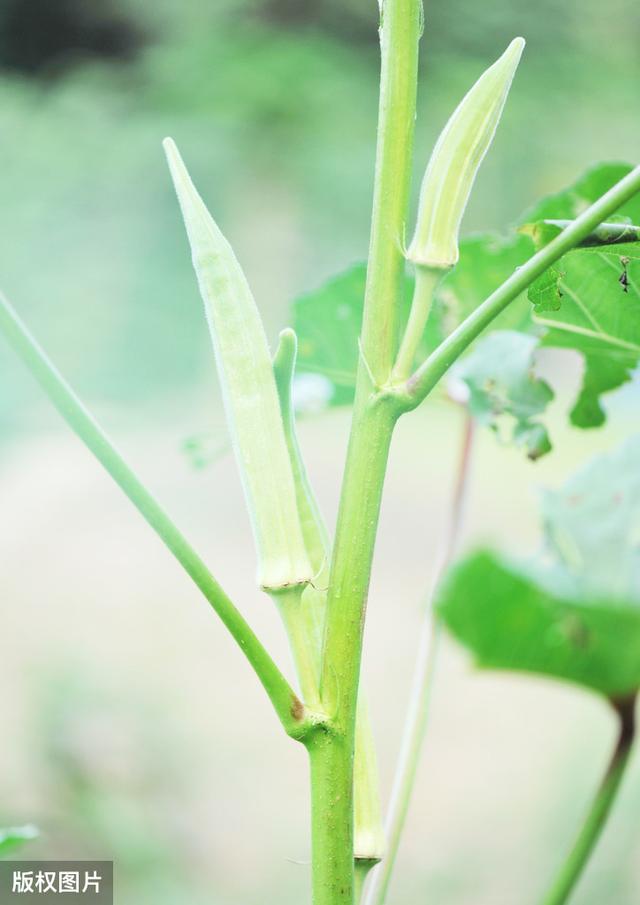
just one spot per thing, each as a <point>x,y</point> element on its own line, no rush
<point>249,391</point>
<point>455,161</point>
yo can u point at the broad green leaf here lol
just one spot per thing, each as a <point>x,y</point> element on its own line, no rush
<point>485,262</point>
<point>11,838</point>
<point>589,301</point>
<point>510,621</point>
<point>574,612</point>
<point>598,315</point>
<point>572,201</point>
<point>499,374</point>
<point>327,322</point>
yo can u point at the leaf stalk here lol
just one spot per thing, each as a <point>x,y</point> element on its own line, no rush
<point>596,818</point>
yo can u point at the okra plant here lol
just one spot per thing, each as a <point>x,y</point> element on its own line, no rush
<point>426,313</point>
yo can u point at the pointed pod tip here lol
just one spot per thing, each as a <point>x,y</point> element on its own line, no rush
<point>285,358</point>
<point>514,50</point>
<point>174,158</point>
<point>186,191</point>
<point>177,165</point>
<point>169,146</point>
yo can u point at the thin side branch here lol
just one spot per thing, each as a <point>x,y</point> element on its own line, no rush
<point>288,707</point>
<point>596,818</point>
<point>417,388</point>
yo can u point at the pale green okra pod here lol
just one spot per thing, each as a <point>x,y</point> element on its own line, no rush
<point>249,390</point>
<point>455,161</point>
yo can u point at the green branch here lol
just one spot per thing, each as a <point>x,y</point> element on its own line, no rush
<point>411,394</point>
<point>399,36</point>
<point>600,809</point>
<point>285,702</point>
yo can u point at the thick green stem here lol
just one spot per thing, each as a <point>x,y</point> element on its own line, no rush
<point>399,36</point>
<point>597,816</point>
<point>428,374</point>
<point>371,430</point>
<point>417,714</point>
<point>286,704</point>
<point>353,552</point>
<point>352,559</point>
<point>331,760</point>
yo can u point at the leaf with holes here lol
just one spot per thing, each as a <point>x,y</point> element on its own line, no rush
<point>499,374</point>
<point>589,301</point>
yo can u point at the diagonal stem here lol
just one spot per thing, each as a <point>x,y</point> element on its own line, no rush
<point>288,707</point>
<point>418,711</point>
<point>438,363</point>
<point>596,818</point>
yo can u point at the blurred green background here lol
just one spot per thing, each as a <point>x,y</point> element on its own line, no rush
<point>131,728</point>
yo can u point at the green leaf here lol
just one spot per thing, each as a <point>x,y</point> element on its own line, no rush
<point>598,315</point>
<point>590,300</point>
<point>499,374</point>
<point>485,262</point>
<point>13,837</point>
<point>510,621</point>
<point>574,613</point>
<point>570,202</point>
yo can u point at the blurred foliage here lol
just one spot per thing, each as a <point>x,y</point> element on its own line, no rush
<point>116,787</point>
<point>274,104</point>
<point>14,837</point>
<point>572,613</point>
<point>38,36</point>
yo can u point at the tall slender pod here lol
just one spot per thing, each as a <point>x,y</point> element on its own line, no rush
<point>249,388</point>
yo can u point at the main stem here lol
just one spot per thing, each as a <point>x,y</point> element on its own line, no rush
<point>332,751</point>
<point>597,816</point>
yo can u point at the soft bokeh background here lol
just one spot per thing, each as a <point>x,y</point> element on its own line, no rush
<point>131,728</point>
